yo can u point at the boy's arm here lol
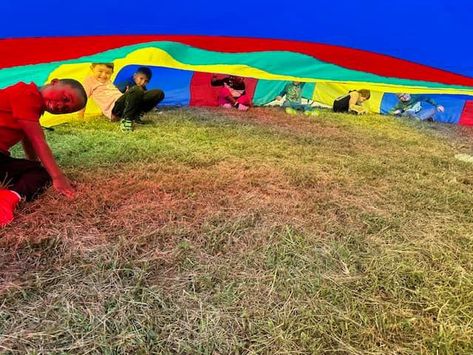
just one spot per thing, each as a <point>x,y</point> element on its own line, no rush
<point>353,103</point>
<point>34,133</point>
<point>431,101</point>
<point>30,153</point>
<point>397,109</point>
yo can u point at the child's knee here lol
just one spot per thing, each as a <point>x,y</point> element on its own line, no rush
<point>135,92</point>
<point>158,95</point>
<point>42,176</point>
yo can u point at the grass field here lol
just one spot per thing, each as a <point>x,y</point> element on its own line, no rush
<point>219,232</point>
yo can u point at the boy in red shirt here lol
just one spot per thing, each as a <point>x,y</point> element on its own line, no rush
<point>21,106</point>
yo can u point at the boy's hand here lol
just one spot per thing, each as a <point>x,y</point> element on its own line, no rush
<point>279,98</point>
<point>64,186</point>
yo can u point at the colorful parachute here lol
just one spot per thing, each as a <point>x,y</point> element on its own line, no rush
<point>389,48</point>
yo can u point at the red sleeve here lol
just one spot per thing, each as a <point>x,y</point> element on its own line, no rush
<point>26,104</point>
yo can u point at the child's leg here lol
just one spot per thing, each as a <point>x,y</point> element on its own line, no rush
<point>8,202</point>
<point>151,98</point>
<point>128,106</point>
<point>425,113</point>
<point>20,178</point>
<point>27,178</point>
<point>298,106</point>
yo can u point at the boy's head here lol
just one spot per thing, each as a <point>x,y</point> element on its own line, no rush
<point>404,97</point>
<point>63,96</point>
<point>364,94</point>
<point>142,76</point>
<point>236,79</point>
<point>102,71</point>
<point>296,83</point>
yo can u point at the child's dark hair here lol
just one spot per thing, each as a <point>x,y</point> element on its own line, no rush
<point>108,65</point>
<point>365,93</point>
<point>145,71</point>
<point>76,85</point>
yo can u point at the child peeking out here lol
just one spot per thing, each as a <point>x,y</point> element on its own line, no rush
<point>352,102</point>
<point>293,102</point>
<point>233,92</point>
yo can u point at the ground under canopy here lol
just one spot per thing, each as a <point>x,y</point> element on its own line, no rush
<point>213,231</point>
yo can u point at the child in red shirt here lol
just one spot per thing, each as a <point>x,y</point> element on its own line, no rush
<point>21,106</point>
<point>232,93</point>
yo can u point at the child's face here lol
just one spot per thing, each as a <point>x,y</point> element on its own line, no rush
<point>102,73</point>
<point>60,98</point>
<point>140,79</point>
<point>404,97</point>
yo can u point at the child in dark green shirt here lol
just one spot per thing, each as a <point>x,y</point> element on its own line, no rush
<point>293,102</point>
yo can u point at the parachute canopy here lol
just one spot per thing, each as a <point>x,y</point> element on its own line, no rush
<point>387,47</point>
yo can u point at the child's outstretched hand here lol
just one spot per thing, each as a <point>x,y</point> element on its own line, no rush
<point>64,186</point>
<point>360,110</point>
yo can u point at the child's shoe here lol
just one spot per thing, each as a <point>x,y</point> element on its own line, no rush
<point>8,202</point>
<point>242,107</point>
<point>311,113</point>
<point>126,125</point>
<point>291,111</point>
<point>139,119</point>
<point>227,106</point>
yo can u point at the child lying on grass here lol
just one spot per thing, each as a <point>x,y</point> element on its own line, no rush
<point>352,101</point>
<point>21,106</point>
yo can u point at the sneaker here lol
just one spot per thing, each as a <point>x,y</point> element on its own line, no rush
<point>139,119</point>
<point>8,202</point>
<point>227,106</point>
<point>311,113</point>
<point>126,125</point>
<point>242,107</point>
<point>291,111</point>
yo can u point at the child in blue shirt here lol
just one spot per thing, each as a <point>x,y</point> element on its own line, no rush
<point>141,78</point>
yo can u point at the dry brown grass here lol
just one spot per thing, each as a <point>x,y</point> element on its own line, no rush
<point>212,231</point>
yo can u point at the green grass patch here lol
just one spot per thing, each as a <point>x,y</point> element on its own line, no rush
<point>215,232</point>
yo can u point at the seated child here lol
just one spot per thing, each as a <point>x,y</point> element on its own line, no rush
<point>21,106</point>
<point>419,107</point>
<point>352,101</point>
<point>141,78</point>
<point>293,102</point>
<point>114,104</point>
<point>233,92</point>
